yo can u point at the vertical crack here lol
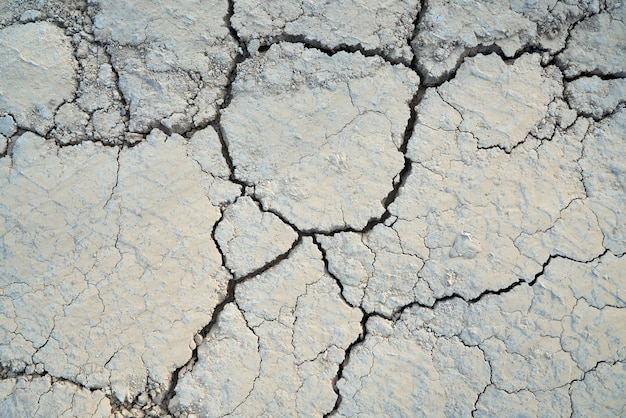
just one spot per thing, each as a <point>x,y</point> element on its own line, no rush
<point>241,56</point>
<point>346,360</point>
<point>117,179</point>
<point>365,316</point>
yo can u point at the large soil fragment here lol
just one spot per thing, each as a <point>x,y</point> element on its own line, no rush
<point>595,97</point>
<point>596,45</point>
<point>326,154</point>
<point>109,268</point>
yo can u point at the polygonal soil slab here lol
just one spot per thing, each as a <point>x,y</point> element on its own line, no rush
<point>449,30</point>
<point>250,238</point>
<point>596,44</point>
<point>317,135</point>
<point>500,102</point>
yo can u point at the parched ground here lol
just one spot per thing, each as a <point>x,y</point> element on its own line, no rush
<point>345,208</point>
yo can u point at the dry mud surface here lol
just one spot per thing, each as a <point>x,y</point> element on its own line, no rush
<point>297,208</point>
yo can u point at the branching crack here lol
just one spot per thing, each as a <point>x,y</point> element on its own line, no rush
<point>230,297</point>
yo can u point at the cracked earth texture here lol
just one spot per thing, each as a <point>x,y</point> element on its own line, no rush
<point>219,208</point>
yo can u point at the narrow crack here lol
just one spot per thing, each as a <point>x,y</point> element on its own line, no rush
<point>595,73</point>
<point>328,272</point>
<point>584,376</point>
<point>621,104</point>
<point>475,407</point>
<point>418,18</point>
<point>6,373</point>
<point>241,56</point>
<point>117,179</point>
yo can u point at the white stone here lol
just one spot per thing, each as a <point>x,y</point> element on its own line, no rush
<point>7,126</point>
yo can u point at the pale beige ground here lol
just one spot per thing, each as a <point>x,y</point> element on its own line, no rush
<point>301,208</point>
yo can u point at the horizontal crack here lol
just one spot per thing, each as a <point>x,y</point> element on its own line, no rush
<point>330,51</point>
<point>398,312</point>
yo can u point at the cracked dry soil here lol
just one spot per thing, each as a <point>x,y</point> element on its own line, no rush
<point>297,208</point>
